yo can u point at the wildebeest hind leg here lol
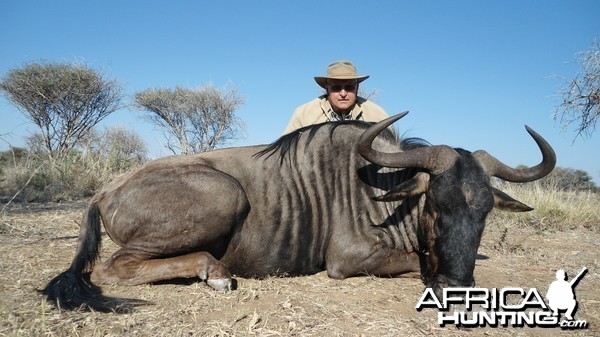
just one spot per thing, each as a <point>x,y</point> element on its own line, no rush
<point>130,269</point>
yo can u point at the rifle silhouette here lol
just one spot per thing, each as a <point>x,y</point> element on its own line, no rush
<point>578,277</point>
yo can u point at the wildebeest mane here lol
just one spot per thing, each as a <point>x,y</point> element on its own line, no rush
<point>288,143</point>
<point>407,144</point>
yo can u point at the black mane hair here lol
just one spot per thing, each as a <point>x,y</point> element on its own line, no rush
<point>287,144</point>
<point>407,144</point>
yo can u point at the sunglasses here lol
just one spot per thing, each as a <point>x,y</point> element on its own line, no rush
<point>338,88</point>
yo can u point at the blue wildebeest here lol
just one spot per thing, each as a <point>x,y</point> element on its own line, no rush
<point>348,198</point>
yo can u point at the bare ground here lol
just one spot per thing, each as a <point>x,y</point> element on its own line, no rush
<point>37,241</point>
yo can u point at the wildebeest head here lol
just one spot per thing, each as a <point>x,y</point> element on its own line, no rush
<point>459,197</point>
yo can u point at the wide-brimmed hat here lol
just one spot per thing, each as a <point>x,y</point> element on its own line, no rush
<point>340,70</point>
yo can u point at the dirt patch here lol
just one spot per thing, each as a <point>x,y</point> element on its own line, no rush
<point>38,241</point>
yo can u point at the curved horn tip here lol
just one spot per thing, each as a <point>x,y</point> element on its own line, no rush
<point>538,138</point>
<point>530,130</point>
<point>402,114</point>
<point>392,119</point>
<point>387,122</point>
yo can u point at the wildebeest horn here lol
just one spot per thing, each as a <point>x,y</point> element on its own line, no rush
<point>496,168</point>
<point>436,159</point>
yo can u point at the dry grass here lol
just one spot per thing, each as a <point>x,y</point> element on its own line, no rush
<point>37,241</point>
<point>553,209</point>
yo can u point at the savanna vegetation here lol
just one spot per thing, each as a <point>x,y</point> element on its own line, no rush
<point>44,188</point>
<point>69,157</point>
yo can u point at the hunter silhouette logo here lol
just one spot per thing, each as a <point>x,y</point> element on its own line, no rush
<point>561,294</point>
<point>508,306</point>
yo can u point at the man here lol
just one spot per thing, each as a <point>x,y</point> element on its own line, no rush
<point>341,101</point>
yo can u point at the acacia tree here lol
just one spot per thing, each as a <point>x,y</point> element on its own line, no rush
<point>193,120</point>
<point>64,100</point>
<point>581,95</point>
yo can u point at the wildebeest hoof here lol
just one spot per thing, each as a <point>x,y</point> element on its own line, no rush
<point>220,284</point>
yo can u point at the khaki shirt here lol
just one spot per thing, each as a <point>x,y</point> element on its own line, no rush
<point>319,110</point>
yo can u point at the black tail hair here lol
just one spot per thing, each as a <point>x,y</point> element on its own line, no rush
<point>72,288</point>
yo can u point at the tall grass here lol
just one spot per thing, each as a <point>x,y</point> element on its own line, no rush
<point>555,209</point>
<point>34,176</point>
<point>38,178</point>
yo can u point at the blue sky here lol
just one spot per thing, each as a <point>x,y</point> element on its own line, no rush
<point>471,73</point>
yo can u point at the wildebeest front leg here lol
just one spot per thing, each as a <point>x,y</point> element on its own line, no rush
<point>129,269</point>
<point>380,262</point>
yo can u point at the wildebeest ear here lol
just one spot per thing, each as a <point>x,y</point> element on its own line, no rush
<point>505,202</point>
<point>415,186</point>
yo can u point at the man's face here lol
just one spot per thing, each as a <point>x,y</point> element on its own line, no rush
<point>341,94</point>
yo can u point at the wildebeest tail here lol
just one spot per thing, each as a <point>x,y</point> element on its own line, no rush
<point>72,288</point>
